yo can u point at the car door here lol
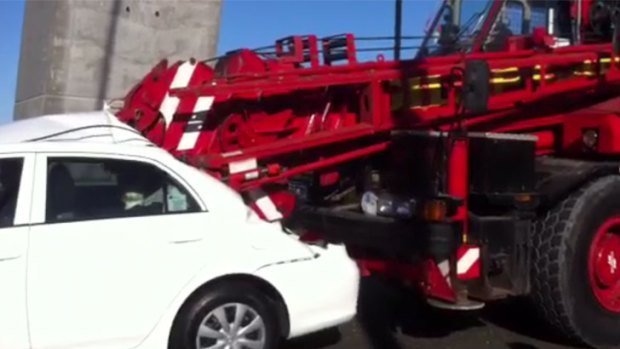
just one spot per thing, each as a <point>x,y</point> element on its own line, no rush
<point>16,174</point>
<point>118,239</point>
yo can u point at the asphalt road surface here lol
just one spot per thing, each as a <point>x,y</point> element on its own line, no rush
<point>412,325</point>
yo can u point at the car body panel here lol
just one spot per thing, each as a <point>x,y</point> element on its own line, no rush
<point>13,264</point>
<point>313,306</point>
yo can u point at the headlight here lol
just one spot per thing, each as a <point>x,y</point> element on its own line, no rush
<point>590,138</point>
<point>386,204</point>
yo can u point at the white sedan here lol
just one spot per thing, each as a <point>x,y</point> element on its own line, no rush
<point>107,241</point>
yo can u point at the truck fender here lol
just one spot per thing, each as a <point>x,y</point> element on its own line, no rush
<point>558,177</point>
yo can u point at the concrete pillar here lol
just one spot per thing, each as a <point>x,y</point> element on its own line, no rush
<point>77,53</point>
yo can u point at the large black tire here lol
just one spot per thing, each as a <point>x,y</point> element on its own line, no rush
<point>185,328</point>
<point>560,279</point>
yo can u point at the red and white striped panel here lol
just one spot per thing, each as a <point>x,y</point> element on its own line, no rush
<point>182,77</point>
<point>194,125</point>
<point>262,204</point>
<point>468,263</point>
<point>185,137</point>
<point>444,269</point>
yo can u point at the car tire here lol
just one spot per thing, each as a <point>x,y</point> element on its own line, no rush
<point>565,274</point>
<point>200,312</point>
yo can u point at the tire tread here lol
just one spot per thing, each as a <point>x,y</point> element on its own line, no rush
<point>549,238</point>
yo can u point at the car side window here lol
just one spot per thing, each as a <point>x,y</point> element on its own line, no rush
<point>10,180</point>
<point>84,189</point>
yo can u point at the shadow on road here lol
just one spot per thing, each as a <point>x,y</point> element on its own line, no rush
<point>319,340</point>
<point>519,345</point>
<point>386,309</point>
<point>388,312</point>
<point>519,316</point>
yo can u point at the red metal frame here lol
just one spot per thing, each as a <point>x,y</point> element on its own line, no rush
<point>266,135</point>
<point>426,276</point>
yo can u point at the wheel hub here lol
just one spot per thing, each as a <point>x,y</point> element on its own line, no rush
<point>231,326</point>
<point>604,265</point>
<point>608,264</point>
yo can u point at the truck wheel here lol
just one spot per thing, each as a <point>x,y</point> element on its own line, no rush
<point>232,316</point>
<point>576,271</point>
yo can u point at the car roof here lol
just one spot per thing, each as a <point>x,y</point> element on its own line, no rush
<point>96,131</point>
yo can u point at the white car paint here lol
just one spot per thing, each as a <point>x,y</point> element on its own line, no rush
<point>13,267</point>
<point>119,283</point>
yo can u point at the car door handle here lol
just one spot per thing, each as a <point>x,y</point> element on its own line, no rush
<point>8,258</point>
<point>185,241</point>
<point>8,253</point>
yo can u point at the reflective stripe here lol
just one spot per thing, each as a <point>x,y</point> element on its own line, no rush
<point>193,128</point>
<point>181,79</point>
<point>467,260</point>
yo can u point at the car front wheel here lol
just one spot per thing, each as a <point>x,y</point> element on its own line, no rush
<point>235,316</point>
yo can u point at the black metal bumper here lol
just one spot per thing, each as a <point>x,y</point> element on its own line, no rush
<point>396,235</point>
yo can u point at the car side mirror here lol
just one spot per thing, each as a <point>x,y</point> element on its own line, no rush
<point>476,86</point>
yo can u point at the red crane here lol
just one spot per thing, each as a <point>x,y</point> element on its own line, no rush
<point>482,167</point>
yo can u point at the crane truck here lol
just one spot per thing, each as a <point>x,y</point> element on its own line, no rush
<point>484,166</point>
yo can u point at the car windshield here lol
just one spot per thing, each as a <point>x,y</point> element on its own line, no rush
<point>468,17</point>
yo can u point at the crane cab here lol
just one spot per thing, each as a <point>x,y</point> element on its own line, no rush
<point>472,26</point>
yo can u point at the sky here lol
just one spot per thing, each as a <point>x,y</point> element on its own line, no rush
<point>248,23</point>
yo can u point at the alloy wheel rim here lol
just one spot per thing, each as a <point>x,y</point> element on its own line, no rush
<point>231,326</point>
